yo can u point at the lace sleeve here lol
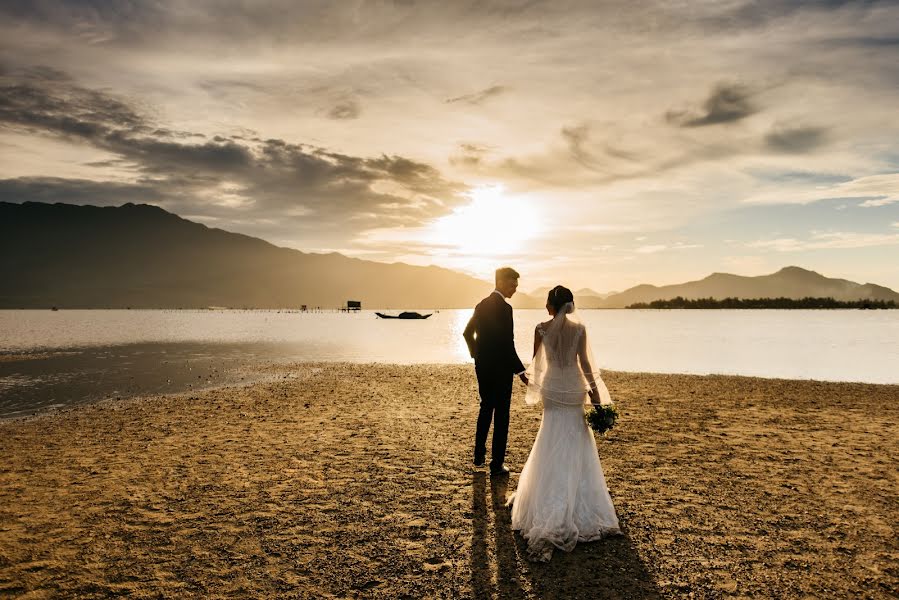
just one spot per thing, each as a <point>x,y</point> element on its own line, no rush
<point>538,337</point>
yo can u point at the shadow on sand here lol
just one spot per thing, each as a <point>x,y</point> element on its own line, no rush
<point>609,568</point>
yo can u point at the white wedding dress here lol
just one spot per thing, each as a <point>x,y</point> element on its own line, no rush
<point>562,497</point>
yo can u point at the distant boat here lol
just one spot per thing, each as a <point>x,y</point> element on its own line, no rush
<point>54,309</point>
<point>404,315</point>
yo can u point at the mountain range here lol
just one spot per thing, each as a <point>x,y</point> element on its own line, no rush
<point>142,256</point>
<point>789,282</point>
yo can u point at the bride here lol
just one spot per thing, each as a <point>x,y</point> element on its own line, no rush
<point>562,497</point>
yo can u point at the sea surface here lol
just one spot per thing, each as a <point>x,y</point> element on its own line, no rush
<point>51,360</point>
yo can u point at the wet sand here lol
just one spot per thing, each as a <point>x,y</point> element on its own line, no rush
<point>33,382</point>
<point>354,481</point>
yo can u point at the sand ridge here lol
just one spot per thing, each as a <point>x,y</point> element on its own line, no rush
<point>338,480</point>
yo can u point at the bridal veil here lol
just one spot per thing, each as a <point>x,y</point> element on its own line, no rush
<point>564,370</point>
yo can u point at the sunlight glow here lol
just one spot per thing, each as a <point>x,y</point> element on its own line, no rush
<point>492,225</point>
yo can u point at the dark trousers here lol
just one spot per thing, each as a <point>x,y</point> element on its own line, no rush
<point>495,389</point>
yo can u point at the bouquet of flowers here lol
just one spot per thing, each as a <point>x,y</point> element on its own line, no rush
<point>601,418</point>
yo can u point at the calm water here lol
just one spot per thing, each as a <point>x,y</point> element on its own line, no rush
<point>101,353</point>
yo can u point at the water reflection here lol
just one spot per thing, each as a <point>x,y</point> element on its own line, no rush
<point>842,345</point>
<point>460,348</point>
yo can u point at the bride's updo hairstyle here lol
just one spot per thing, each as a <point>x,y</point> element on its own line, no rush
<point>559,296</point>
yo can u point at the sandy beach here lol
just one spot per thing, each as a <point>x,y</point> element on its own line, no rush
<point>337,480</point>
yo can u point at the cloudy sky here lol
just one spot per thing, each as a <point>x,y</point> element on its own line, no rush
<point>596,144</point>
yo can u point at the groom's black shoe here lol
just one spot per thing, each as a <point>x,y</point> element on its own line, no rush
<point>479,461</point>
<point>500,471</point>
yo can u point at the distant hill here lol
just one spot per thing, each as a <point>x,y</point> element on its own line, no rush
<point>141,256</point>
<point>589,292</point>
<point>540,293</point>
<point>587,298</point>
<point>789,282</point>
<point>583,298</point>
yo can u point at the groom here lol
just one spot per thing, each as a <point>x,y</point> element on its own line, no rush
<point>491,344</point>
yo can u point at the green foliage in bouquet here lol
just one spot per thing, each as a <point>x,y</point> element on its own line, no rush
<point>602,418</point>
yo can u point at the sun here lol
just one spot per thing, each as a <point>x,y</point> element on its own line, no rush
<point>492,225</point>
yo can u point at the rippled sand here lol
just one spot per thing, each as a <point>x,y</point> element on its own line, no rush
<point>354,480</point>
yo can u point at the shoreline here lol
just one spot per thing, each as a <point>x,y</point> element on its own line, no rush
<point>341,479</point>
<point>244,383</point>
<point>38,377</point>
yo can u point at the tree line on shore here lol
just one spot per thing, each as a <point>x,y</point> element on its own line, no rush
<point>807,303</point>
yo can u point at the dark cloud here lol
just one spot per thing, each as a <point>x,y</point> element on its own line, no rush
<point>58,106</point>
<point>224,87</point>
<point>113,162</point>
<point>67,12</point>
<point>162,156</point>
<point>163,132</point>
<point>754,14</point>
<point>94,21</point>
<point>348,109</point>
<point>262,177</point>
<point>886,42</point>
<point>43,72</point>
<point>77,191</point>
<point>132,23</point>
<point>281,22</point>
<point>479,97</point>
<point>727,103</point>
<point>797,139</point>
<point>417,176</point>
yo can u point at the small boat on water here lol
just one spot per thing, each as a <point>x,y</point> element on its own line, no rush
<point>404,315</point>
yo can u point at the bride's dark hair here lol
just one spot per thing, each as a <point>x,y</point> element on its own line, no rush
<point>559,296</point>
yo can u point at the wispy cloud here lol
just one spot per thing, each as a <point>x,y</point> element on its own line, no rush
<point>478,97</point>
<point>651,248</point>
<point>828,240</point>
<point>469,155</point>
<point>654,248</point>
<point>347,109</point>
<point>874,190</point>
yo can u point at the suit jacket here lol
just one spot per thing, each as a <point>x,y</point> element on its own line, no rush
<point>490,338</point>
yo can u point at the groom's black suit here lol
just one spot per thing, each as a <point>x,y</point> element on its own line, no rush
<point>492,345</point>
